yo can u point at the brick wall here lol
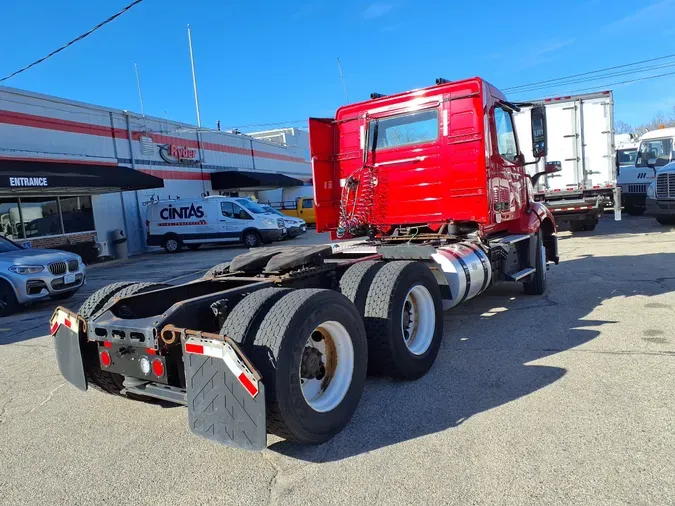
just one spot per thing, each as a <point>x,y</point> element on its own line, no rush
<point>56,241</point>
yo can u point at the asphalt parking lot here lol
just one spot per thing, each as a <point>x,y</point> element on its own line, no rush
<point>562,399</point>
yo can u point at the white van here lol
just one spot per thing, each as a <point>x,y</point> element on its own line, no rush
<point>193,222</point>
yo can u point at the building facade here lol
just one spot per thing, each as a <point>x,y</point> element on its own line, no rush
<point>70,173</point>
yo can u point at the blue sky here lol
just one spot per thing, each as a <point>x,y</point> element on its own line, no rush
<point>267,61</point>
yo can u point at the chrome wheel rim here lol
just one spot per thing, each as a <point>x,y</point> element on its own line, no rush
<point>326,366</point>
<point>172,244</point>
<point>418,320</point>
<point>251,240</point>
<point>543,262</point>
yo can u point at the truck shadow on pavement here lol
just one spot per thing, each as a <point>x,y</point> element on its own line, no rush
<point>488,351</point>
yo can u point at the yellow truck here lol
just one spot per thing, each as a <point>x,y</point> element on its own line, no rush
<point>302,207</point>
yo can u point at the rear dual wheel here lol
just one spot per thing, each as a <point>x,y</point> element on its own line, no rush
<point>403,315</point>
<point>310,347</point>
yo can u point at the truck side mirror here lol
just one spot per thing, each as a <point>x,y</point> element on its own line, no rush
<point>538,122</point>
<point>552,167</point>
<point>549,168</point>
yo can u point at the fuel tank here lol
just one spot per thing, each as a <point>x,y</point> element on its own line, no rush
<point>467,269</point>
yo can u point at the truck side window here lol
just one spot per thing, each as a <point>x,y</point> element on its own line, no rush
<point>404,129</point>
<point>227,209</point>
<point>307,203</point>
<point>240,214</point>
<point>506,139</point>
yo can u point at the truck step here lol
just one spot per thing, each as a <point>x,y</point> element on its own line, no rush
<point>521,274</point>
<point>163,392</point>
<point>512,239</point>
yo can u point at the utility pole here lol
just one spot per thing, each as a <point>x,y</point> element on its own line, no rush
<point>194,78</point>
<point>140,94</point>
<point>342,77</point>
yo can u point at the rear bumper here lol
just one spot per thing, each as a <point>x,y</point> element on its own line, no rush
<point>575,210</point>
<point>224,393</point>
<point>660,207</point>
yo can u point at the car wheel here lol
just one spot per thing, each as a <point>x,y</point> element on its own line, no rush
<point>251,239</point>
<point>8,302</point>
<point>64,295</point>
<point>172,243</point>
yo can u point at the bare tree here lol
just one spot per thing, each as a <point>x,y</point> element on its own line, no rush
<point>621,127</point>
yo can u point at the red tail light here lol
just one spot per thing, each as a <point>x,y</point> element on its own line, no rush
<point>105,359</point>
<point>158,368</point>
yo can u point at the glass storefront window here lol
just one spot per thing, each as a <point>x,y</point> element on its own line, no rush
<point>32,217</point>
<point>9,219</point>
<point>40,217</point>
<point>78,215</point>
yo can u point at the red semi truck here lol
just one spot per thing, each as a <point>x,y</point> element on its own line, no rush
<point>427,188</point>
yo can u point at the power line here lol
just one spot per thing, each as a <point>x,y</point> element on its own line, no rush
<point>36,62</point>
<point>512,88</point>
<point>624,82</point>
<point>597,78</point>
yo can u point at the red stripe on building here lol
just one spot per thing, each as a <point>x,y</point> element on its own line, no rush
<point>58,160</point>
<point>62,125</point>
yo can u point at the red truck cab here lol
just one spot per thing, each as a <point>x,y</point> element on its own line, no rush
<point>430,160</point>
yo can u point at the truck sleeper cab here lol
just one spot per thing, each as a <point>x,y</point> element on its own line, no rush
<point>279,340</point>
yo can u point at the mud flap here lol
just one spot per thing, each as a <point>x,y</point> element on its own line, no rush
<point>225,397</point>
<point>65,329</point>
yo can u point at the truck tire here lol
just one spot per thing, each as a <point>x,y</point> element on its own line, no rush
<point>8,303</point>
<point>537,283</point>
<point>172,243</point>
<point>311,398</point>
<point>100,298</point>
<point>244,320</point>
<point>635,211</point>
<point>589,225</point>
<point>217,270</point>
<point>97,378</point>
<point>576,225</point>
<point>356,281</point>
<point>403,317</point>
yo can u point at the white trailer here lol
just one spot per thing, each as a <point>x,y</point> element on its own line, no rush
<point>580,131</point>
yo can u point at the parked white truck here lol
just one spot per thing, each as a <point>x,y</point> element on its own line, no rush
<point>655,150</point>
<point>580,131</point>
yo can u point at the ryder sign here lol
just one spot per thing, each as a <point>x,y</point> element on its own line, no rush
<point>171,153</point>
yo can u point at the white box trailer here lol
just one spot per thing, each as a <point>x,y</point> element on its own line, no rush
<point>580,135</point>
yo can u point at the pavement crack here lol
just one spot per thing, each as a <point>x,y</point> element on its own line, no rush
<point>48,398</point>
<point>274,481</point>
<point>3,408</point>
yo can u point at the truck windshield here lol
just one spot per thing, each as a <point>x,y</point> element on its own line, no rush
<point>653,150</point>
<point>251,206</point>
<point>404,129</point>
<point>627,156</point>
